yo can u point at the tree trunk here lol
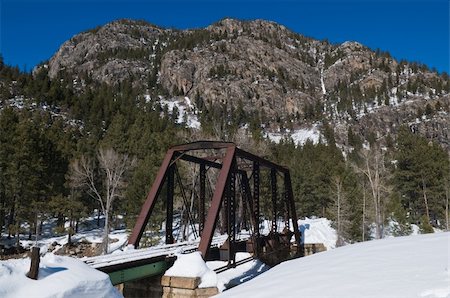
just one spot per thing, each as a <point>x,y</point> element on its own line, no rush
<point>17,234</point>
<point>425,200</point>
<point>69,233</point>
<point>364,214</point>
<point>41,227</point>
<point>35,260</point>
<point>2,215</point>
<point>339,230</point>
<point>377,218</point>
<point>60,222</point>
<point>106,233</point>
<point>446,209</point>
<point>338,184</point>
<point>36,228</point>
<point>11,219</point>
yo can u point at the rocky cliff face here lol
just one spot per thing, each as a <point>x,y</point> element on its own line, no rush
<point>268,70</point>
<point>110,54</point>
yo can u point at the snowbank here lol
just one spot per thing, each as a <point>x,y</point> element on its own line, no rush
<point>412,266</point>
<point>318,230</point>
<point>58,277</point>
<point>192,265</point>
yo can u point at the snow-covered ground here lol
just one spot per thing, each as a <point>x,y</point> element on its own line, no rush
<point>58,277</point>
<point>411,266</point>
<point>88,231</point>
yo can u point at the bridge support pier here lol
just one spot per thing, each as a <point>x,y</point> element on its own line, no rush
<point>147,287</point>
<point>185,287</point>
<point>167,287</point>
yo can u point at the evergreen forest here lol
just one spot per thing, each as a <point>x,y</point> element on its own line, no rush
<point>375,188</point>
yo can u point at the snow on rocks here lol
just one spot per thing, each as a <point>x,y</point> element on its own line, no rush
<point>192,265</point>
<point>186,111</point>
<point>298,136</point>
<point>58,277</point>
<point>411,266</point>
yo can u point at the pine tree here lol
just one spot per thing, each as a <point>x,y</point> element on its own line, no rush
<point>420,176</point>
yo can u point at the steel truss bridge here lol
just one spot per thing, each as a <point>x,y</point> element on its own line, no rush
<point>237,190</point>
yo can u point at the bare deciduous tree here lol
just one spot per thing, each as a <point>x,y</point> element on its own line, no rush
<point>114,166</point>
<point>373,168</point>
<point>338,190</point>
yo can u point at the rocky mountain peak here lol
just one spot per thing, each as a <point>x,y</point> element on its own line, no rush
<point>260,67</point>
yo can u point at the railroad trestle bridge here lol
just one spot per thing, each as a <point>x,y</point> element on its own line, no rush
<point>229,186</point>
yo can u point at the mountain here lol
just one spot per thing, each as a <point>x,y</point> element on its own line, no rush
<point>265,71</point>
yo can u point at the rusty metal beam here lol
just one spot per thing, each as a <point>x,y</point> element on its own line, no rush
<point>286,207</point>
<point>216,202</point>
<point>169,205</point>
<point>202,197</point>
<point>261,161</point>
<point>273,186</point>
<point>290,197</point>
<point>200,145</point>
<point>247,201</point>
<point>199,160</point>
<point>231,213</point>
<point>256,184</point>
<point>149,204</point>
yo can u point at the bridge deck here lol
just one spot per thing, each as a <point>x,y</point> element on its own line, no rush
<point>156,253</point>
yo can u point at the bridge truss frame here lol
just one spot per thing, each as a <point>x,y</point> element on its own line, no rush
<point>224,192</point>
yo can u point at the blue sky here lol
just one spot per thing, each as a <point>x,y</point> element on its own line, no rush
<point>415,30</point>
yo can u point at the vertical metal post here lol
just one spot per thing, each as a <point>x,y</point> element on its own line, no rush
<point>169,205</point>
<point>248,199</point>
<point>256,184</point>
<point>244,200</point>
<point>286,207</point>
<point>202,197</point>
<point>273,184</point>
<point>231,214</point>
<point>288,188</point>
<point>225,209</point>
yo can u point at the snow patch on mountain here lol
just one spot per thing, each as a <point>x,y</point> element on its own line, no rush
<point>187,112</point>
<point>298,136</point>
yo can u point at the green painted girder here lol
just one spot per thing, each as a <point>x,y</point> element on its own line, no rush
<point>134,273</point>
